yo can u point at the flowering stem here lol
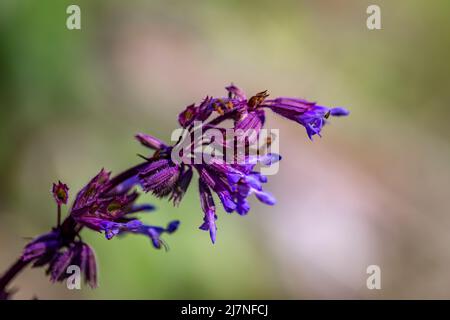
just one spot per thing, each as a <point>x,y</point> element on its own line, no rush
<point>69,230</point>
<point>9,275</point>
<point>58,222</point>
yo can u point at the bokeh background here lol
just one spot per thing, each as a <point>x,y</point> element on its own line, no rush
<point>373,190</point>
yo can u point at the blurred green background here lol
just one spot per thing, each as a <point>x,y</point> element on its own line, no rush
<point>373,190</point>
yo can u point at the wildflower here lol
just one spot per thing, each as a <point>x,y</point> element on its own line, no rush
<point>235,181</point>
<point>105,205</point>
<point>308,114</point>
<point>102,208</point>
<point>181,185</point>
<point>236,92</point>
<point>154,233</point>
<point>207,204</point>
<point>249,113</point>
<point>232,183</point>
<point>150,142</point>
<point>79,254</point>
<point>109,204</point>
<point>194,113</point>
<point>60,193</point>
<point>43,248</point>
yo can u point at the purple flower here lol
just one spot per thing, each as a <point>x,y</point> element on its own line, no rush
<point>102,208</point>
<point>154,233</point>
<point>235,92</point>
<point>88,265</point>
<point>150,141</point>
<point>43,247</point>
<point>233,184</point>
<point>249,113</point>
<point>78,254</point>
<point>196,113</point>
<point>162,177</point>
<point>105,205</point>
<point>226,107</point>
<point>207,204</point>
<point>60,192</point>
<point>108,205</point>
<point>310,115</point>
<point>49,249</point>
<point>234,181</point>
<point>181,185</point>
<point>248,126</point>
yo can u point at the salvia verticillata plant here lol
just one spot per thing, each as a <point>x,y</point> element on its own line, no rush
<point>108,204</point>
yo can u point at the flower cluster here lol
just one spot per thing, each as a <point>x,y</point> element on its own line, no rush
<point>109,204</point>
<point>232,181</point>
<point>108,208</point>
<point>57,251</point>
<point>105,205</point>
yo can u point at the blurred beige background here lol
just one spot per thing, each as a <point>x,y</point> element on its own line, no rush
<point>373,190</point>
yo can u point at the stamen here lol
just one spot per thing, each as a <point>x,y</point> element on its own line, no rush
<point>257,99</point>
